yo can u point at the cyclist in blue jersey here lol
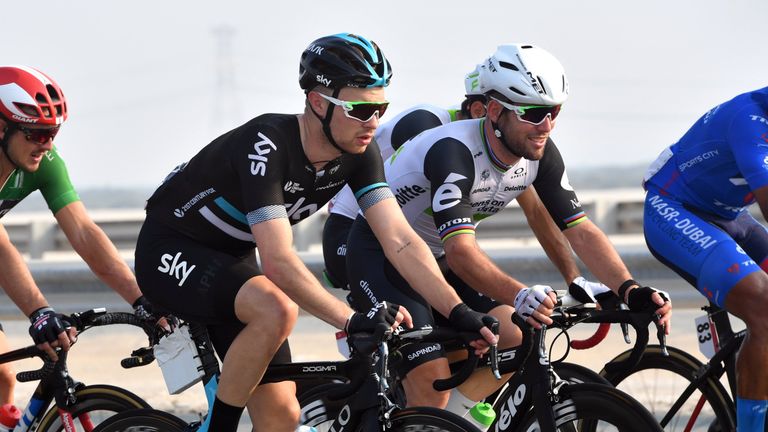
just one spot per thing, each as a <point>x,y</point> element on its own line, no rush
<point>698,224</point>
<point>244,190</point>
<point>32,109</point>
<point>449,178</point>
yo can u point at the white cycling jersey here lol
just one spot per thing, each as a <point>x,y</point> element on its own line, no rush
<point>447,180</point>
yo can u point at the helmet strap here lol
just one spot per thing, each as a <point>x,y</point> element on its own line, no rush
<point>326,122</point>
<point>497,132</point>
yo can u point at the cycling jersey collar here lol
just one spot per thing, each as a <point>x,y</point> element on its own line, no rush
<point>495,161</point>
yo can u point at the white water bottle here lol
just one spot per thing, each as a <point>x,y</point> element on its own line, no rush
<point>481,415</point>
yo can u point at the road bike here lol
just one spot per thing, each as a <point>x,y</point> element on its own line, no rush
<point>362,384</point>
<point>59,402</point>
<point>681,391</point>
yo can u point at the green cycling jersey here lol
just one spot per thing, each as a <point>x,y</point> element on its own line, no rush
<point>52,179</point>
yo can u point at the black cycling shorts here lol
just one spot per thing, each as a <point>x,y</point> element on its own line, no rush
<point>374,279</point>
<point>335,233</point>
<point>195,282</point>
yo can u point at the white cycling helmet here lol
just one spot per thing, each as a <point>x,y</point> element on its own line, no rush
<point>524,74</point>
<point>472,85</point>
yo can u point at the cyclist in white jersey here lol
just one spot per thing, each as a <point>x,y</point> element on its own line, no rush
<point>394,133</point>
<point>449,178</point>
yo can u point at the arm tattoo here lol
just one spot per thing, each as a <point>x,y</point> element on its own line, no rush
<point>404,246</point>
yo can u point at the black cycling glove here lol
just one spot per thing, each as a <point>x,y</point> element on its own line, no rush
<point>143,309</point>
<point>383,312</point>
<point>639,299</point>
<point>46,325</point>
<point>463,318</point>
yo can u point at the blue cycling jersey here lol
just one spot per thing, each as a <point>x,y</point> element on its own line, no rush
<point>722,158</point>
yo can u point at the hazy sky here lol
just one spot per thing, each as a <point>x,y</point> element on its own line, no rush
<point>141,76</point>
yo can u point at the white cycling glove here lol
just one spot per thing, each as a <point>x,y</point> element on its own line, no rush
<point>586,291</point>
<point>529,299</point>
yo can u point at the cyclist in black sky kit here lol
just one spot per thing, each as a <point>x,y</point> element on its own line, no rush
<point>195,252</point>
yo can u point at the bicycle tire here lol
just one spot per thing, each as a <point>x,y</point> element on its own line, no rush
<point>98,401</point>
<point>592,407</point>
<point>578,374</point>
<point>658,381</point>
<point>429,419</point>
<point>320,412</point>
<point>143,419</point>
<point>317,410</point>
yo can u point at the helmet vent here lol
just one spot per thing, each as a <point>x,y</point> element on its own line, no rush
<point>517,91</point>
<point>27,109</point>
<point>508,65</point>
<point>53,93</point>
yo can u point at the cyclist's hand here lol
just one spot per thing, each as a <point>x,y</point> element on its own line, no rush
<point>648,299</point>
<point>143,309</point>
<point>463,318</point>
<point>535,304</point>
<point>49,331</point>
<point>587,291</point>
<point>389,313</point>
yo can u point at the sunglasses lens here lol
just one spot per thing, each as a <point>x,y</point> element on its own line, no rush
<point>41,136</point>
<point>365,111</point>
<point>538,114</point>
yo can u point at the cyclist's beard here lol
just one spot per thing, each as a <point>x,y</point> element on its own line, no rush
<point>512,146</point>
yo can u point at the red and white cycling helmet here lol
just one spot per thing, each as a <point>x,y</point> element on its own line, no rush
<point>28,96</point>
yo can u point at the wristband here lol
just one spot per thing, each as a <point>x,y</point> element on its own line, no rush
<point>629,283</point>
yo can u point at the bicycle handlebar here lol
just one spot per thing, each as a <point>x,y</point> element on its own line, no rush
<point>81,321</point>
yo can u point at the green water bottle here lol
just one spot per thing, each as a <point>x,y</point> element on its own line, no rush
<point>482,415</point>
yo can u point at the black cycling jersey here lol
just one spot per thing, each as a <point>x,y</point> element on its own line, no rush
<point>255,173</point>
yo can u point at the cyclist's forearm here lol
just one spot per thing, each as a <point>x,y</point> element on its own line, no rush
<point>474,267</point>
<point>598,254</point>
<point>16,279</point>
<point>415,262</point>
<point>290,274</point>
<point>92,244</point>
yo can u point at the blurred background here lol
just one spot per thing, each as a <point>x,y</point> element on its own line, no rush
<point>151,82</point>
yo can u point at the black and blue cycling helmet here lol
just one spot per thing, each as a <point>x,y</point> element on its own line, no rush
<point>341,60</point>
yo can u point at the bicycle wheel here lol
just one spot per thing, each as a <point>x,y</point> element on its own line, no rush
<point>658,382</point>
<point>578,374</point>
<point>429,419</point>
<point>316,409</point>
<point>144,420</point>
<point>95,403</point>
<point>593,408</point>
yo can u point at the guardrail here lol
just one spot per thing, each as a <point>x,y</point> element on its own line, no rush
<point>615,211</point>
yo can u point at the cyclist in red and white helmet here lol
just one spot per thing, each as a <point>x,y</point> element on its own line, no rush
<point>32,109</point>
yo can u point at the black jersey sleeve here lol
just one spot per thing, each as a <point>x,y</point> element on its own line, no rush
<point>450,169</point>
<point>367,181</point>
<point>555,191</point>
<point>411,125</point>
<point>260,161</point>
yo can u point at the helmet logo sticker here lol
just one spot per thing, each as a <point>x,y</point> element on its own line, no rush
<point>316,49</point>
<point>323,80</point>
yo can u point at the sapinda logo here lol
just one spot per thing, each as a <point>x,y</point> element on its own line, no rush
<point>448,194</point>
<point>259,159</point>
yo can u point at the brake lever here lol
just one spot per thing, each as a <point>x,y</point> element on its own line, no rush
<point>661,334</point>
<point>494,353</point>
<point>625,326</point>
